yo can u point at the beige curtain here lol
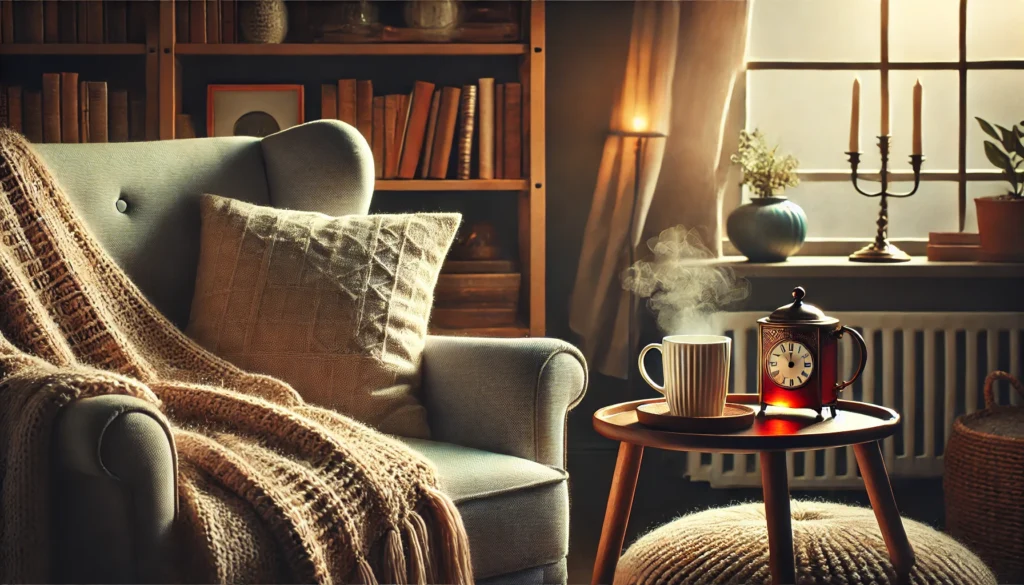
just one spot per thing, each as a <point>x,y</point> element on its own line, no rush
<point>685,58</point>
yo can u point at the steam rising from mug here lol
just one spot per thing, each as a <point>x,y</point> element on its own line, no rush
<point>684,287</point>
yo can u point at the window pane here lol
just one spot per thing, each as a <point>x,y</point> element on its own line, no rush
<point>815,30</point>
<point>995,96</point>
<point>808,112</point>
<point>939,118</point>
<point>994,29</point>
<point>924,30</point>
<point>835,210</point>
<point>977,189</point>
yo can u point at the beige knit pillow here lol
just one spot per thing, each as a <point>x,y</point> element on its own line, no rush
<point>335,306</point>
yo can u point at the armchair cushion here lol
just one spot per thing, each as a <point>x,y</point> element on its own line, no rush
<point>516,512</point>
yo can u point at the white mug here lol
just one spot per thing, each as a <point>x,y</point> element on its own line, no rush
<point>696,371</point>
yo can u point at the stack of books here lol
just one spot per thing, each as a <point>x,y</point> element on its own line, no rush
<point>74,21</point>
<point>67,110</point>
<point>206,21</point>
<point>413,135</point>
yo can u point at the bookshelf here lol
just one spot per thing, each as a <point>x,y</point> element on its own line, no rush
<point>164,61</point>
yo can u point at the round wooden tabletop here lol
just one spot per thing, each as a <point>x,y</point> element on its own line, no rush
<point>779,430</point>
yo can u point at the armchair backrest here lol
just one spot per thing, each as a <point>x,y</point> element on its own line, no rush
<point>141,199</point>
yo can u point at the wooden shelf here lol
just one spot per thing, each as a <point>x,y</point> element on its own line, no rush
<point>73,49</point>
<point>510,331</point>
<point>328,49</point>
<point>451,185</point>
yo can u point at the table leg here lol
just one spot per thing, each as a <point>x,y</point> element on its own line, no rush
<point>775,483</point>
<point>876,480</point>
<point>616,515</point>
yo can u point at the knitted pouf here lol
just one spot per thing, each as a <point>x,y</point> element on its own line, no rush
<point>833,543</point>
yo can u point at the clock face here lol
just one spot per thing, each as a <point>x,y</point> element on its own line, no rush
<point>790,364</point>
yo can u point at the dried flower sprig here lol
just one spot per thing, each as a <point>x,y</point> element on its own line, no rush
<point>764,172</point>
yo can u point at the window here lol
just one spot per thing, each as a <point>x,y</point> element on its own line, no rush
<point>802,58</point>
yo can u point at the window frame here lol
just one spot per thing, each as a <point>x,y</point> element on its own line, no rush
<point>831,246</point>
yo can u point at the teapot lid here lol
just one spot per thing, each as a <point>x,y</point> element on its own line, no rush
<point>798,311</point>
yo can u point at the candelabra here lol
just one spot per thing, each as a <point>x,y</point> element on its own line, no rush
<point>881,250</point>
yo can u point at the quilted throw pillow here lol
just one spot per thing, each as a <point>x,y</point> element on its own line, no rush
<point>335,306</point>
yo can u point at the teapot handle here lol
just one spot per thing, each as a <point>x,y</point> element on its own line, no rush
<point>863,356</point>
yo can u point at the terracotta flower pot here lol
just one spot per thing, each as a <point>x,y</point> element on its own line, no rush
<point>1001,228</point>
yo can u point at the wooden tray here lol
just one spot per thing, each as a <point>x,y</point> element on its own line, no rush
<point>736,417</point>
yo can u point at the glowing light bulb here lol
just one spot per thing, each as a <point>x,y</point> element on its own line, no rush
<point>639,123</point>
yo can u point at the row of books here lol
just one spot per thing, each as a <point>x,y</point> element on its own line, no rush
<point>206,21</point>
<point>67,110</point>
<point>413,135</point>
<point>74,21</point>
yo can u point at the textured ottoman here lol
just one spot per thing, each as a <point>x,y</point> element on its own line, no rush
<point>833,543</point>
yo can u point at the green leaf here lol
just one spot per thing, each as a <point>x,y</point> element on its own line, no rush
<point>987,128</point>
<point>1019,147</point>
<point>998,157</point>
<point>1008,140</point>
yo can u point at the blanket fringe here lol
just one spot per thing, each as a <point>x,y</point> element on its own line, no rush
<point>451,551</point>
<point>417,551</point>
<point>394,561</point>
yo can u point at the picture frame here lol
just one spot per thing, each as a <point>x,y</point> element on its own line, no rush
<point>253,110</point>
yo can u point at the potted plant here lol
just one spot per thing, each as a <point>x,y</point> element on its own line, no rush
<point>1001,218</point>
<point>770,228</point>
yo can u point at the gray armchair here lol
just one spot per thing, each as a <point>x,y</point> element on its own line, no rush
<point>497,406</point>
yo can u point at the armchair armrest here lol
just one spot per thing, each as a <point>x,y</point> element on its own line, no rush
<point>507,396</point>
<point>114,491</point>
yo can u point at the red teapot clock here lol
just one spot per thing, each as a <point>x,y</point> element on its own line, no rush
<point>798,349</point>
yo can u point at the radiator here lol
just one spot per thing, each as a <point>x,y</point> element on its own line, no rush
<point>929,367</point>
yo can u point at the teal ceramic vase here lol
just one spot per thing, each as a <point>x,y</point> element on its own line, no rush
<point>768,229</point>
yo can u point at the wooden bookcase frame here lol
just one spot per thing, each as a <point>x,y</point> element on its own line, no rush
<point>163,101</point>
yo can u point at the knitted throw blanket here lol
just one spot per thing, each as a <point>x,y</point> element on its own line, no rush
<point>270,489</point>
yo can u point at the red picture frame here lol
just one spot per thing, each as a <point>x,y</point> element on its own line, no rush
<point>214,89</point>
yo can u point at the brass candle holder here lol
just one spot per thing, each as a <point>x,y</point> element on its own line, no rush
<point>881,250</point>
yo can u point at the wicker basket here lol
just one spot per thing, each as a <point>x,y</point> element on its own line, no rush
<point>984,483</point>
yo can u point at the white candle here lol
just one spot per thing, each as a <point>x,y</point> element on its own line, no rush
<point>885,104</point>
<point>855,118</point>
<point>918,90</point>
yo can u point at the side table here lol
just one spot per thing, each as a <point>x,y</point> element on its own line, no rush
<point>859,424</point>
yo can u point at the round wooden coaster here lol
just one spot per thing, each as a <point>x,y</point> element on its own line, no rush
<point>736,417</point>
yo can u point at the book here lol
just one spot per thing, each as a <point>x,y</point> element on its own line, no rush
<point>428,137</point>
<point>513,131</point>
<point>5,109</point>
<point>181,21</point>
<point>377,144</point>
<point>51,21</point>
<point>15,115</point>
<point>51,107</point>
<point>197,21</point>
<point>328,102</point>
<point>67,21</point>
<point>213,21</point>
<point>485,133</point>
<point>401,125</point>
<point>347,101</point>
<point>98,114</point>
<point>447,116</point>
<point>33,116</point>
<point>467,123</point>
<point>118,108</point>
<point>364,109</point>
<point>116,15</point>
<point>391,153</point>
<point>69,107</point>
<point>499,131</point>
<point>29,24</point>
<point>138,14</point>
<point>137,119</point>
<point>416,128</point>
<point>94,31</point>
<point>183,126</point>
<point>228,18</point>
<point>83,112</point>
<point>7,21</point>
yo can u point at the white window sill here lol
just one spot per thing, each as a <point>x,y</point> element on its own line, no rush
<point>842,267</point>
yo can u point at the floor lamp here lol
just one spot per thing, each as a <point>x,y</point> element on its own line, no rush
<point>642,136</point>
